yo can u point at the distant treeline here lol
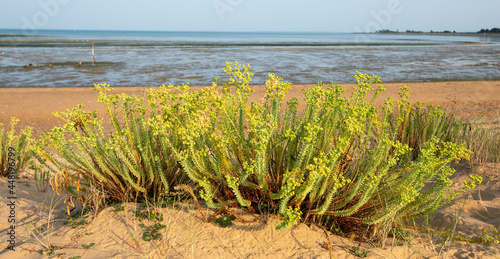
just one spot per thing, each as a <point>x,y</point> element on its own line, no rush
<point>494,30</point>
<point>412,31</point>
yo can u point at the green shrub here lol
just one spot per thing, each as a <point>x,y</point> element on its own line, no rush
<point>419,125</point>
<point>129,163</point>
<point>14,148</point>
<point>341,160</point>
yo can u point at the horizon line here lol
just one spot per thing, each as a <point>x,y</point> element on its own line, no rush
<point>229,31</point>
<point>125,30</point>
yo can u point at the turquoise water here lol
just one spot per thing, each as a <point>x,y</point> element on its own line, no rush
<point>129,58</point>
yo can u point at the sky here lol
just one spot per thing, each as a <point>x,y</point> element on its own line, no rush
<point>251,15</point>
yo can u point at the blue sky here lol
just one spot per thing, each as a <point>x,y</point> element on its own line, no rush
<point>251,15</point>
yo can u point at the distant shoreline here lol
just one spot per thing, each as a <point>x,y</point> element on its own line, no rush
<point>436,33</point>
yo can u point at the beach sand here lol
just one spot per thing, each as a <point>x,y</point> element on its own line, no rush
<point>34,106</point>
<point>117,234</point>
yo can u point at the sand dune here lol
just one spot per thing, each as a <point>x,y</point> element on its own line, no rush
<point>118,234</point>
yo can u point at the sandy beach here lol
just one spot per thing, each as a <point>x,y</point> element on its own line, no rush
<point>34,106</point>
<point>116,234</point>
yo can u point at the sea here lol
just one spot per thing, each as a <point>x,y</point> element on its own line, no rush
<point>51,58</point>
